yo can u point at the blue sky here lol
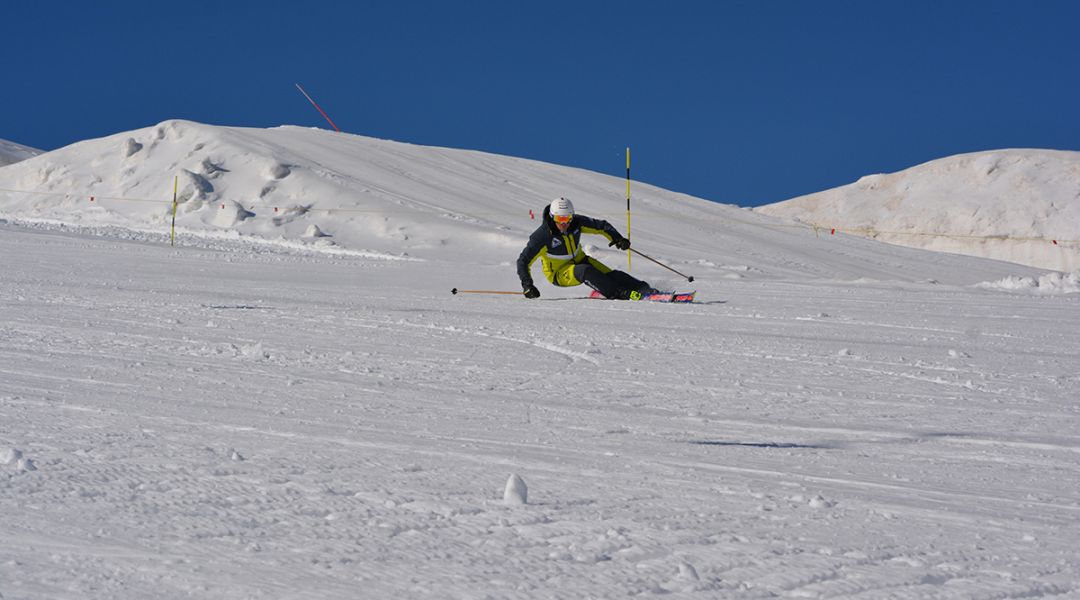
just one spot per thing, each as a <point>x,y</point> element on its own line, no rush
<point>739,102</point>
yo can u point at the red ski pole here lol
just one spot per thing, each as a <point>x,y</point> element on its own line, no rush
<point>321,111</point>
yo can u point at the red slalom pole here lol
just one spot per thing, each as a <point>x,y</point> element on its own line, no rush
<point>321,111</point>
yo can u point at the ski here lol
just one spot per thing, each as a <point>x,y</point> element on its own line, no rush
<point>669,297</point>
<point>685,297</point>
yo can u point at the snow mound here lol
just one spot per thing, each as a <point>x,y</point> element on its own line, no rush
<point>229,215</point>
<point>516,492</point>
<point>1051,283</point>
<point>294,184</point>
<point>1020,206</point>
<point>14,457</point>
<point>313,231</point>
<point>10,455</point>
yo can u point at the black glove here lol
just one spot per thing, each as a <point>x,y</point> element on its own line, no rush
<point>531,291</point>
<point>620,243</point>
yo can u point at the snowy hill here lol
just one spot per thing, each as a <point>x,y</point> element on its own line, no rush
<point>346,193</point>
<point>260,412</point>
<point>1008,205</point>
<point>11,153</point>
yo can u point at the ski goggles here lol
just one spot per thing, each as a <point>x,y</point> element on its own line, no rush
<point>562,219</point>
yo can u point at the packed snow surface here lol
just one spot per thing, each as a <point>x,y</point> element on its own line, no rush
<point>1017,205</point>
<point>257,413</point>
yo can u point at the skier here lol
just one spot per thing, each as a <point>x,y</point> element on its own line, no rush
<point>565,264</point>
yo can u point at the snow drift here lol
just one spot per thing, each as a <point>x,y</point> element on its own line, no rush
<point>1008,205</point>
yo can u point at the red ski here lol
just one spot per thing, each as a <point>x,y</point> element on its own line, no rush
<point>670,297</point>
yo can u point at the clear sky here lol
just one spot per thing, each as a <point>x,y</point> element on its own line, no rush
<point>739,102</point>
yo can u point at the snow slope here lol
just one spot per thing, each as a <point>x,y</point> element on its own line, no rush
<point>402,201</point>
<point>237,423</point>
<point>11,153</point>
<point>1008,204</point>
<point>256,414</point>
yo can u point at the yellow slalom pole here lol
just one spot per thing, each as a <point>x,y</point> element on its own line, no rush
<point>628,205</point>
<point>172,235</point>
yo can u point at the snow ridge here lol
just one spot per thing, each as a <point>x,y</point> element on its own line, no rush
<point>1021,206</point>
<point>11,153</point>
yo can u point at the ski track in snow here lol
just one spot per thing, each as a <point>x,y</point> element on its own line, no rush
<point>217,424</point>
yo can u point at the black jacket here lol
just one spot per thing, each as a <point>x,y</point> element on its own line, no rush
<point>556,248</point>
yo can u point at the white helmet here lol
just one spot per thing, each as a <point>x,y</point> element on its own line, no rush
<point>562,207</point>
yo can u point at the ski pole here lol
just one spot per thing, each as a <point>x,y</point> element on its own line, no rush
<point>688,277</point>
<point>318,108</point>
<point>457,291</point>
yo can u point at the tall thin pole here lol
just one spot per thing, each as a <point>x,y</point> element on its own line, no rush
<point>172,235</point>
<point>318,108</point>
<point>628,205</point>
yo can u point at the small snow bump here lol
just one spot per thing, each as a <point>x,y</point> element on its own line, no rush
<point>211,168</point>
<point>10,455</point>
<point>279,171</point>
<point>230,214</point>
<point>516,493</point>
<point>820,502</point>
<point>687,572</point>
<point>252,351</point>
<point>313,231</point>
<point>130,147</point>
